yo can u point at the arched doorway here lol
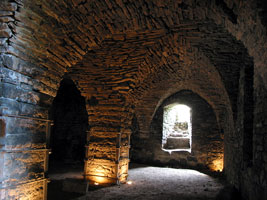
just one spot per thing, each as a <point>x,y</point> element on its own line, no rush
<point>68,139</point>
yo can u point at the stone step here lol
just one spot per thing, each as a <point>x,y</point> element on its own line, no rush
<point>177,143</point>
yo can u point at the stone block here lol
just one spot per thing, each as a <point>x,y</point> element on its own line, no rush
<point>5,13</point>
<point>5,32</point>
<point>177,143</point>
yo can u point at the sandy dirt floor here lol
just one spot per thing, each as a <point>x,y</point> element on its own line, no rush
<point>161,184</point>
<point>148,183</point>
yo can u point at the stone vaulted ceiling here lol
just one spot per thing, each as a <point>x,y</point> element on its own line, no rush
<point>126,57</point>
<point>127,45</point>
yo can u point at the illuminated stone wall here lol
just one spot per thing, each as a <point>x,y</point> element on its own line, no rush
<point>27,88</point>
<point>24,133</point>
<point>107,157</point>
<point>128,56</point>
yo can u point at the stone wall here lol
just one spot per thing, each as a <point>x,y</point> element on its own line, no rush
<point>26,94</point>
<point>107,157</point>
<point>207,141</point>
<point>126,57</point>
<point>252,33</point>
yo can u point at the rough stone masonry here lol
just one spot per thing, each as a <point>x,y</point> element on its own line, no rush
<point>127,58</point>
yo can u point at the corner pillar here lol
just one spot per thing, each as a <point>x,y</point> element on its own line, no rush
<point>107,150</point>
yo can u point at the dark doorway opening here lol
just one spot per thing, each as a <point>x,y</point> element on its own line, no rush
<point>67,141</point>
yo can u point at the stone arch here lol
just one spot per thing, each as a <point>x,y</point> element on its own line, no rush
<point>201,112</point>
<point>41,40</point>
<point>159,77</point>
<point>178,71</point>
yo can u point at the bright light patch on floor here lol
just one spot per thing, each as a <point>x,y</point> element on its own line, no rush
<point>129,182</point>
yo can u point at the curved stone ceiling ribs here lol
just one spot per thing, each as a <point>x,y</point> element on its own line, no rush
<point>57,34</point>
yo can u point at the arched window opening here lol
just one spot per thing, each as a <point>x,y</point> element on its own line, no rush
<point>177,128</point>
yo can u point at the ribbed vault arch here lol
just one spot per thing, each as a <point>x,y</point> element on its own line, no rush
<point>117,51</point>
<point>73,29</point>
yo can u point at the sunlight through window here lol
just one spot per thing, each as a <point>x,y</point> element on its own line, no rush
<point>177,128</point>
